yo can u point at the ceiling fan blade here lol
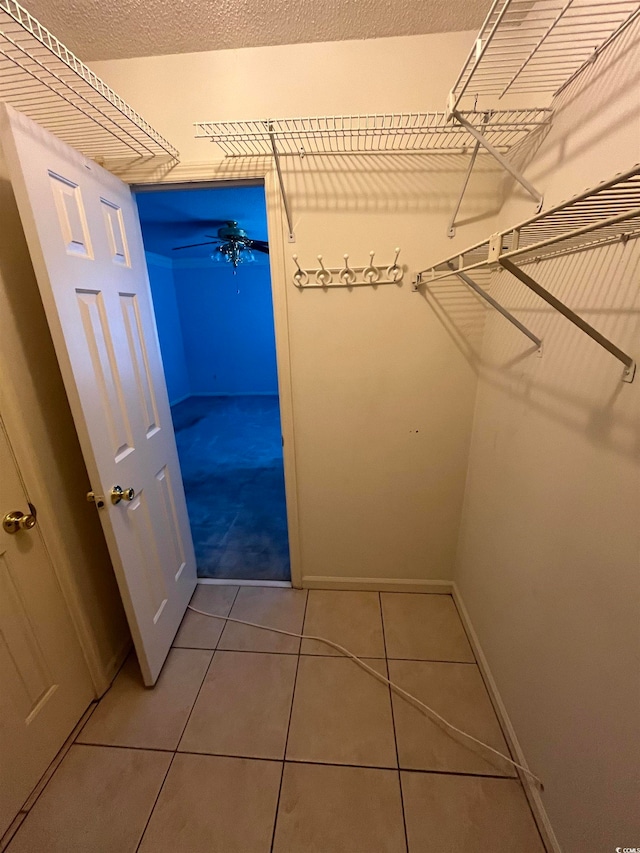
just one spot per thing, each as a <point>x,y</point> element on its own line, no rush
<point>193,245</point>
<point>259,246</point>
<point>206,223</point>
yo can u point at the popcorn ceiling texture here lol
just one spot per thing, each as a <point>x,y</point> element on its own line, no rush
<point>128,28</point>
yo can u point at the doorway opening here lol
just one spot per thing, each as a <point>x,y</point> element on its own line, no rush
<point>207,255</point>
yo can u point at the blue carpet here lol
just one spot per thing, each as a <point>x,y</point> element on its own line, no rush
<point>230,451</point>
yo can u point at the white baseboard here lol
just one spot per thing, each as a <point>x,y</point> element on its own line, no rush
<point>236,582</point>
<point>531,791</point>
<point>441,587</point>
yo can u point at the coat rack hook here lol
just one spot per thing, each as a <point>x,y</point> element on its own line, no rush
<point>300,277</point>
<point>394,272</point>
<point>371,273</point>
<point>323,276</point>
<point>347,276</point>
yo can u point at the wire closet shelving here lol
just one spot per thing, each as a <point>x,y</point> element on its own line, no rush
<point>602,215</point>
<point>534,48</point>
<point>44,80</point>
<point>527,47</point>
<point>382,133</point>
<point>538,47</point>
<point>369,134</point>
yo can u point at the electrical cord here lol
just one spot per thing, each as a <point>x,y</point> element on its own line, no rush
<point>399,690</point>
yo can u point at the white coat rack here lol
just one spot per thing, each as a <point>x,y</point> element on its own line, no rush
<point>348,276</point>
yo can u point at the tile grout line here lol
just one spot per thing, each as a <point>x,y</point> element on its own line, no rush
<point>435,660</point>
<point>387,768</point>
<point>286,740</point>
<point>379,767</point>
<point>127,746</point>
<point>204,677</point>
<point>226,624</point>
<point>175,751</point>
<point>155,803</point>
<point>289,654</point>
<point>393,723</point>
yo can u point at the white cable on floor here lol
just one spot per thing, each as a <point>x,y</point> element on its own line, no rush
<point>399,690</point>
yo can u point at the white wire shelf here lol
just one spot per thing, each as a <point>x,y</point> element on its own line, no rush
<point>372,134</point>
<point>538,46</point>
<point>43,79</point>
<point>609,212</point>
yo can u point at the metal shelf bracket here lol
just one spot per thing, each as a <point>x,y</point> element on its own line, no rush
<point>451,230</point>
<point>482,293</point>
<point>594,334</point>
<point>495,304</point>
<point>506,164</point>
<point>283,192</point>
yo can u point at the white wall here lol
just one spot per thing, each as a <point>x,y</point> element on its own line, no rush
<point>383,392</point>
<point>550,541</point>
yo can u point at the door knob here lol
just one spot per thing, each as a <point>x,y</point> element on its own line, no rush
<point>16,520</point>
<point>119,494</point>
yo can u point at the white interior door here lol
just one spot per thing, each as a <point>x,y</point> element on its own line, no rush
<point>44,681</point>
<point>84,237</point>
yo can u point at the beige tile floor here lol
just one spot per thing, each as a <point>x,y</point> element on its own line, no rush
<point>253,742</point>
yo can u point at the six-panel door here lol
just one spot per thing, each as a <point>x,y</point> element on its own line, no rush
<point>84,237</point>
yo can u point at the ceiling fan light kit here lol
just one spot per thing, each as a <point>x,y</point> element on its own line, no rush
<point>232,244</point>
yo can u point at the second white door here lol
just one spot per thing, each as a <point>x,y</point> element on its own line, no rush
<point>44,681</point>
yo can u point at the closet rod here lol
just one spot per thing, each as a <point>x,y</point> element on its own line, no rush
<point>594,334</point>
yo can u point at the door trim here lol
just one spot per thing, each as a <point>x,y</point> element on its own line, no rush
<point>258,170</point>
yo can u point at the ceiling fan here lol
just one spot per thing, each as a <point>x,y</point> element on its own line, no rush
<point>232,244</point>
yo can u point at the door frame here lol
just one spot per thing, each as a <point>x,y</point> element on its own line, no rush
<point>260,170</point>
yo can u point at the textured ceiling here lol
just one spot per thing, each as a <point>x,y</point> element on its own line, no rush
<point>177,217</point>
<point>124,28</point>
